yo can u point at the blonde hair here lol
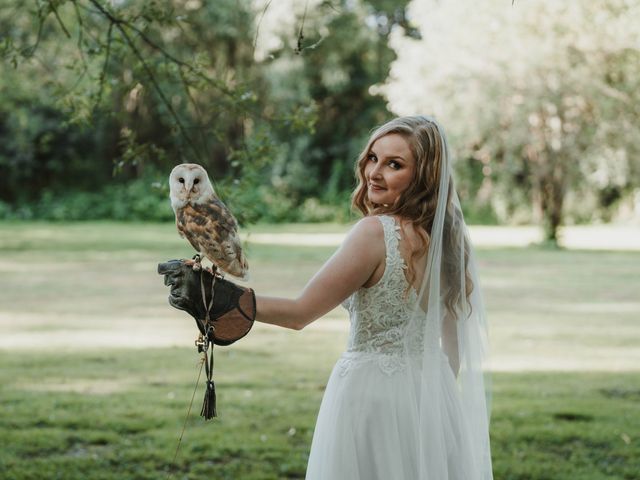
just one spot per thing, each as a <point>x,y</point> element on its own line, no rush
<point>419,201</point>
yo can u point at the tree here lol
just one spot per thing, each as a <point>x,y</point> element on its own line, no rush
<point>152,84</point>
<point>156,83</point>
<point>342,50</point>
<point>542,97</point>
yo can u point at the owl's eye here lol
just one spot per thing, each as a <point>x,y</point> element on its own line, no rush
<point>197,180</point>
<point>181,180</point>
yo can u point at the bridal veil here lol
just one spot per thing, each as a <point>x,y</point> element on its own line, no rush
<point>449,356</point>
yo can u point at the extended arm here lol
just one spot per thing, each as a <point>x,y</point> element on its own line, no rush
<point>347,270</point>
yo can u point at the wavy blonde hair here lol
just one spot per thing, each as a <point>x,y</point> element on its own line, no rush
<point>419,201</point>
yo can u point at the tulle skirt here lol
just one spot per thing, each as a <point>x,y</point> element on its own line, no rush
<point>367,427</point>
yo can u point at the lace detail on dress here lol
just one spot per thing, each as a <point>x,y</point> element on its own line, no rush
<point>380,315</point>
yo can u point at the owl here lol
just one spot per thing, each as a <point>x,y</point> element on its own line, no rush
<point>205,221</point>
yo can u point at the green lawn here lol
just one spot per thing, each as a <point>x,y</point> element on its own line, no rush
<point>97,370</point>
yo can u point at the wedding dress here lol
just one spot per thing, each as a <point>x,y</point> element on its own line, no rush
<point>409,399</point>
<point>369,424</point>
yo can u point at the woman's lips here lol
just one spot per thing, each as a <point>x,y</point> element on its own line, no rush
<point>376,187</point>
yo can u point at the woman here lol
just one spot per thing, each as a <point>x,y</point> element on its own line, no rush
<point>407,400</point>
<point>393,407</point>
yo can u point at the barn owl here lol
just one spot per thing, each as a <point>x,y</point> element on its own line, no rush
<point>204,220</point>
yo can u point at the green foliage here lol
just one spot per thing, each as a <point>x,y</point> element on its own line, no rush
<point>130,86</point>
<point>345,51</point>
<point>147,199</point>
<point>40,149</point>
<point>143,84</point>
<point>479,214</point>
<point>142,199</point>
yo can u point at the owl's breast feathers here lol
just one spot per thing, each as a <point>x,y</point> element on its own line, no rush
<point>212,230</point>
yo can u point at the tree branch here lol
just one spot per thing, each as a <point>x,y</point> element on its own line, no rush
<point>103,73</point>
<point>264,11</point>
<point>29,51</point>
<point>120,25</point>
<point>55,12</point>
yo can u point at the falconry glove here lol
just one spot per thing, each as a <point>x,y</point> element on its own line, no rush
<point>224,312</point>
<point>232,312</point>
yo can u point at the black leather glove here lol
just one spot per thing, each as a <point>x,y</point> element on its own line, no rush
<point>232,312</point>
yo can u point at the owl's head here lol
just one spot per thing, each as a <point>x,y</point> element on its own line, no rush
<point>189,183</point>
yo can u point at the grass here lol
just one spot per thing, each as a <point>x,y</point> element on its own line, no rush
<point>97,370</point>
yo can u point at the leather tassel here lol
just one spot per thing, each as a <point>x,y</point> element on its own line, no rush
<point>209,405</point>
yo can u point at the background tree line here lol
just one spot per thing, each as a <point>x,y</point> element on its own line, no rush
<point>99,99</point>
<point>93,88</point>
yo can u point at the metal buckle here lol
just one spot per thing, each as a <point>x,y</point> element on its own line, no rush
<point>201,343</point>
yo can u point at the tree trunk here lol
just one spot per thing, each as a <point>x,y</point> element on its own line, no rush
<point>552,192</point>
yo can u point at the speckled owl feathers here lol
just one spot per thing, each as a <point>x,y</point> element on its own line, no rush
<point>205,221</point>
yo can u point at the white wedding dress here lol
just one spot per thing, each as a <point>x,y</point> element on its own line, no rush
<point>367,428</point>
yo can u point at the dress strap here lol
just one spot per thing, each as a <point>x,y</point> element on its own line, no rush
<point>394,261</point>
<point>391,232</point>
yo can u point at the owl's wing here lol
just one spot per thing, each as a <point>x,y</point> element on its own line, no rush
<point>216,232</point>
<point>218,211</point>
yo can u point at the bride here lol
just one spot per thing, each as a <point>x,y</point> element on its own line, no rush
<point>407,399</point>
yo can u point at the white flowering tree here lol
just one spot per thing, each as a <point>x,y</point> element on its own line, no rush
<point>542,98</point>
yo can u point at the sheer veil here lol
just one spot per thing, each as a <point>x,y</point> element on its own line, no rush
<point>448,349</point>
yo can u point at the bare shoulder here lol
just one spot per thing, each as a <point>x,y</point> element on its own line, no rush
<point>367,235</point>
<point>368,227</point>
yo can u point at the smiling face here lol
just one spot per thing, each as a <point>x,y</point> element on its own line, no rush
<point>389,169</point>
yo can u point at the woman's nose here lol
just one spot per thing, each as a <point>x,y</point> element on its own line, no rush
<point>375,171</point>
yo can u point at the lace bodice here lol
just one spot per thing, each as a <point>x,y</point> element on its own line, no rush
<point>379,315</point>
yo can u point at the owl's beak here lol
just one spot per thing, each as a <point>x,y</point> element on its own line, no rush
<point>190,190</point>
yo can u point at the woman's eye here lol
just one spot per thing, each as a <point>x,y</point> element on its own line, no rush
<point>372,158</point>
<point>196,181</point>
<point>181,180</point>
<point>395,165</point>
